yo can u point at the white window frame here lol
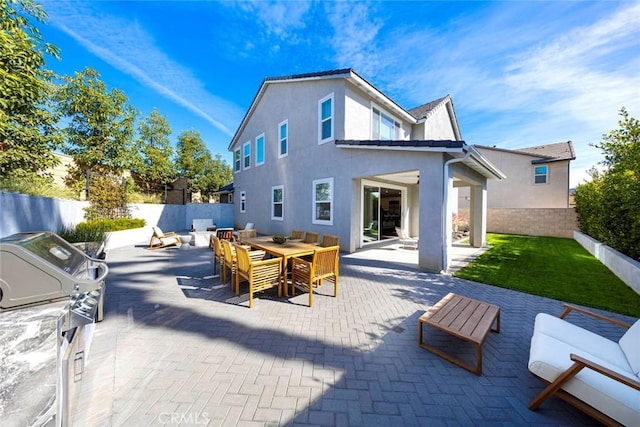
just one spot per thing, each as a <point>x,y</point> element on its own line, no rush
<point>285,139</point>
<point>546,174</point>
<point>243,201</point>
<point>246,164</point>
<point>237,162</point>
<point>398,131</point>
<point>273,203</point>
<point>258,163</point>
<point>321,140</point>
<point>314,219</point>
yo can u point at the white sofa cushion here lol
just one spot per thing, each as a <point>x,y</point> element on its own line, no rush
<point>630,345</point>
<point>549,357</point>
<point>582,339</point>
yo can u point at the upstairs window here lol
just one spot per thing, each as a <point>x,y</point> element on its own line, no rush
<point>260,150</point>
<point>323,201</point>
<point>540,174</point>
<point>325,119</point>
<point>246,155</point>
<point>277,203</point>
<point>237,160</point>
<point>384,127</point>
<point>283,135</point>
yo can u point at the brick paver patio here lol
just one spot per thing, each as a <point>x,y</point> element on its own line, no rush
<point>178,348</point>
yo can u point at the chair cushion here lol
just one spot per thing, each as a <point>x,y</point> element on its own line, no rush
<point>549,357</point>
<point>630,345</point>
<point>580,338</point>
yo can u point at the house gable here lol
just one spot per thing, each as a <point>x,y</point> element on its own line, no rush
<point>523,168</point>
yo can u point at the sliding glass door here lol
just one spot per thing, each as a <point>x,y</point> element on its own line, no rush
<point>371,214</point>
<point>381,212</point>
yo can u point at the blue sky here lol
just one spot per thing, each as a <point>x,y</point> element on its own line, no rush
<point>520,73</point>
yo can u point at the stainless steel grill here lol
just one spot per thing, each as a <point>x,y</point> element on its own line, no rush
<point>41,266</point>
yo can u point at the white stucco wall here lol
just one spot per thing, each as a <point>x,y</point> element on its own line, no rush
<point>297,102</point>
<point>438,125</point>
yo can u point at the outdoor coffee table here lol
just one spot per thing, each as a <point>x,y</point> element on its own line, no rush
<point>464,318</point>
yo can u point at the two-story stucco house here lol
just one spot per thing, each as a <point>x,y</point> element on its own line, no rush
<point>329,152</point>
<point>538,176</point>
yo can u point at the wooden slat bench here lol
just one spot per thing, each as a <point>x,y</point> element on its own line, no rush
<point>465,318</point>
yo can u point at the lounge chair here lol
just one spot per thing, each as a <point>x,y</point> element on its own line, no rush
<point>596,375</point>
<point>405,240</point>
<point>159,239</point>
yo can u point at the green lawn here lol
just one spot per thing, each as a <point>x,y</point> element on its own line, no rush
<point>554,268</point>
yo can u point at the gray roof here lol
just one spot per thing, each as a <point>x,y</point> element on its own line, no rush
<point>402,143</point>
<point>422,111</point>
<point>547,153</point>
<point>311,75</point>
<point>226,189</point>
<point>556,151</point>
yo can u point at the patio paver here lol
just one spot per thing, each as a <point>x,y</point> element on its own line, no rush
<point>177,347</point>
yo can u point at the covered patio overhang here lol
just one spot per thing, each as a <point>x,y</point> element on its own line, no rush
<point>432,205</point>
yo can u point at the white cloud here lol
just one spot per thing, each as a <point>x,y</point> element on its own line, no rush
<point>354,41</point>
<point>284,20</point>
<point>521,74</point>
<point>124,45</point>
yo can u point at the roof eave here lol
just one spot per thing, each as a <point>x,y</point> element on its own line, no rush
<point>475,156</point>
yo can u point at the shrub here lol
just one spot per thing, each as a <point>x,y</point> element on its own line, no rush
<point>95,231</point>
<point>116,224</point>
<point>608,207</point>
<point>83,232</point>
<point>35,185</point>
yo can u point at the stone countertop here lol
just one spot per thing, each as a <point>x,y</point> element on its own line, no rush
<point>28,359</point>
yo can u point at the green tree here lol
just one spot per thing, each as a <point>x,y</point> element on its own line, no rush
<point>192,160</point>
<point>27,125</point>
<point>100,132</point>
<point>608,206</point>
<point>218,174</point>
<point>155,166</point>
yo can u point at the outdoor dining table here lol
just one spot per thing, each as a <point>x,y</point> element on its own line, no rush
<point>286,250</point>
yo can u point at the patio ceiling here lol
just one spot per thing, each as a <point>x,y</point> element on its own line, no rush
<point>404,178</point>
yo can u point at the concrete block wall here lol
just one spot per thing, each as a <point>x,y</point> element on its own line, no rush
<point>627,269</point>
<point>21,212</point>
<point>552,222</point>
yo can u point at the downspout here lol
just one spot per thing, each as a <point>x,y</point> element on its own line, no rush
<point>445,196</point>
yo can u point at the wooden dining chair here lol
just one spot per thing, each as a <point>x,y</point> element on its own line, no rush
<point>243,235</point>
<point>229,266</point>
<point>307,275</point>
<point>329,240</point>
<point>311,237</point>
<point>261,274</point>
<point>225,234</point>
<point>218,254</point>
<point>296,235</point>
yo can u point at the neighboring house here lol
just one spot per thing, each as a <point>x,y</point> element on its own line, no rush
<point>538,177</point>
<point>60,171</point>
<point>328,152</point>
<point>225,193</point>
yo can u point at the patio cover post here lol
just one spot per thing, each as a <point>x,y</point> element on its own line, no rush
<point>478,216</point>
